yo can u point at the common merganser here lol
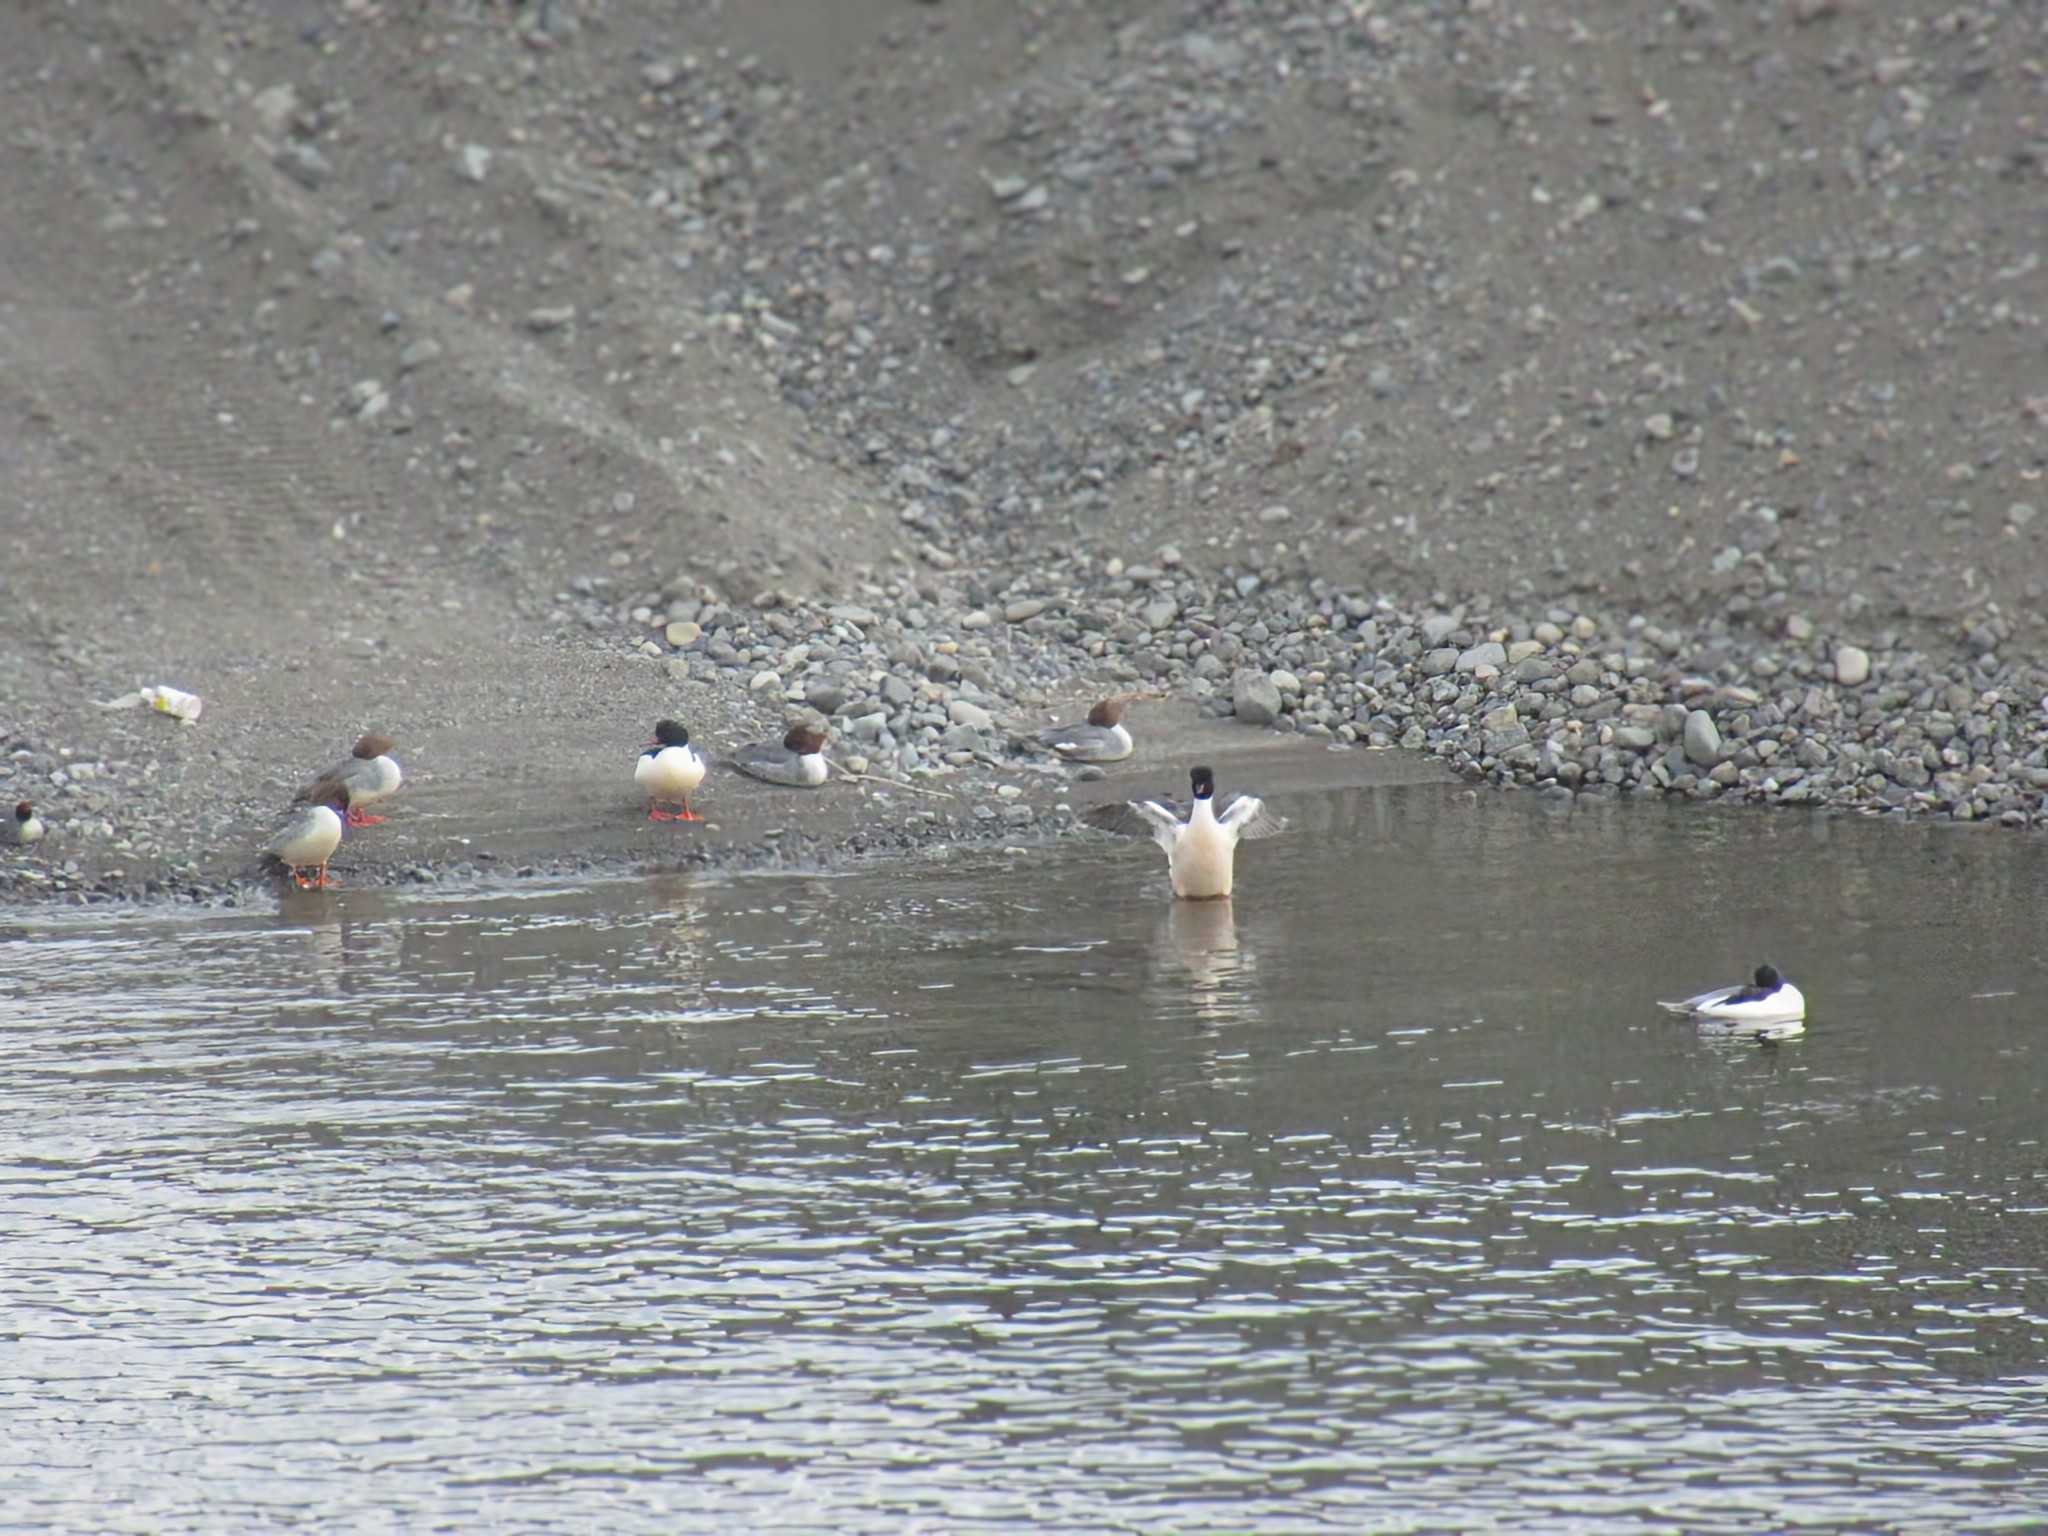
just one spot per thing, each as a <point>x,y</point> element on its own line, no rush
<point>668,770</point>
<point>1101,739</point>
<point>28,826</point>
<point>799,758</point>
<point>1769,1003</point>
<point>367,774</point>
<point>1201,850</point>
<point>309,838</point>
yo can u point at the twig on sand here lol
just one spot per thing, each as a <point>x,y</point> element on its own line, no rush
<point>870,778</point>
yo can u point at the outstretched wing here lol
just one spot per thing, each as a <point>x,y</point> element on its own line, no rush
<point>1160,820</point>
<point>1247,816</point>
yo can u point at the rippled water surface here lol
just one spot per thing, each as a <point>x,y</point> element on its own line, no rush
<point>996,1192</point>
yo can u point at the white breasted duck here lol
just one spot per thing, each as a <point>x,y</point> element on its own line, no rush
<point>1201,850</point>
<point>367,774</point>
<point>669,770</point>
<point>309,838</point>
<point>1769,1003</point>
<point>28,826</point>
<point>1102,738</point>
<point>799,758</point>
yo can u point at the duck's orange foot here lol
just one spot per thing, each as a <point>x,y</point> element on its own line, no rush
<point>655,813</point>
<point>358,818</point>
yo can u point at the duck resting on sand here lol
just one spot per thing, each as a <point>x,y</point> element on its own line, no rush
<point>28,826</point>
<point>367,774</point>
<point>1101,738</point>
<point>798,759</point>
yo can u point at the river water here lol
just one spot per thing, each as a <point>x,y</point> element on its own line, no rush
<point>997,1191</point>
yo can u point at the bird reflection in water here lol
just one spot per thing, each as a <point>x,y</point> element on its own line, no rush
<point>318,915</point>
<point>1199,938</point>
<point>680,943</point>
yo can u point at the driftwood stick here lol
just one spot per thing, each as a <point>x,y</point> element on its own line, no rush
<point>916,789</point>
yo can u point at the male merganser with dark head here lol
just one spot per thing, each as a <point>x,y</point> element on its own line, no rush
<point>1202,849</point>
<point>799,758</point>
<point>28,826</point>
<point>1769,1004</point>
<point>309,838</point>
<point>368,773</point>
<point>669,769</point>
<point>1101,739</point>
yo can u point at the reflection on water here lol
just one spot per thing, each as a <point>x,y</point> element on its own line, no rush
<point>935,1197</point>
<point>1200,940</point>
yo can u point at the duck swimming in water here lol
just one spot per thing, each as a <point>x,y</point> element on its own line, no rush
<point>1201,846</point>
<point>1768,1003</point>
<point>669,770</point>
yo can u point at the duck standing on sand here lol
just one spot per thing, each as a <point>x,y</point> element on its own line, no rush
<point>309,838</point>
<point>1201,850</point>
<point>367,774</point>
<point>1769,1004</point>
<point>28,826</point>
<point>798,759</point>
<point>1101,738</point>
<point>669,770</point>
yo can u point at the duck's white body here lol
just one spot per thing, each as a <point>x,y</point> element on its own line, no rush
<point>1770,1004</point>
<point>777,763</point>
<point>1089,743</point>
<point>368,774</point>
<point>1201,852</point>
<point>669,773</point>
<point>308,840</point>
<point>368,780</point>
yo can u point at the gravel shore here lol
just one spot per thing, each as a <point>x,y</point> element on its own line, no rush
<point>1643,405</point>
<point>936,705</point>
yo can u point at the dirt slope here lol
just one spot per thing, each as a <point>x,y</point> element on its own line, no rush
<point>367,363</point>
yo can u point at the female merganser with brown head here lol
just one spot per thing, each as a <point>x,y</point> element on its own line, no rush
<point>367,774</point>
<point>799,758</point>
<point>309,838</point>
<point>1100,739</point>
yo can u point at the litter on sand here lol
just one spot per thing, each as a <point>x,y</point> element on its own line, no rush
<point>175,702</point>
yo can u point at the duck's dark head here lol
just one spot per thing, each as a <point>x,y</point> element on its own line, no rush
<point>23,810</point>
<point>1204,782</point>
<point>371,746</point>
<point>670,733</point>
<point>804,740</point>
<point>1108,714</point>
<point>1767,976</point>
